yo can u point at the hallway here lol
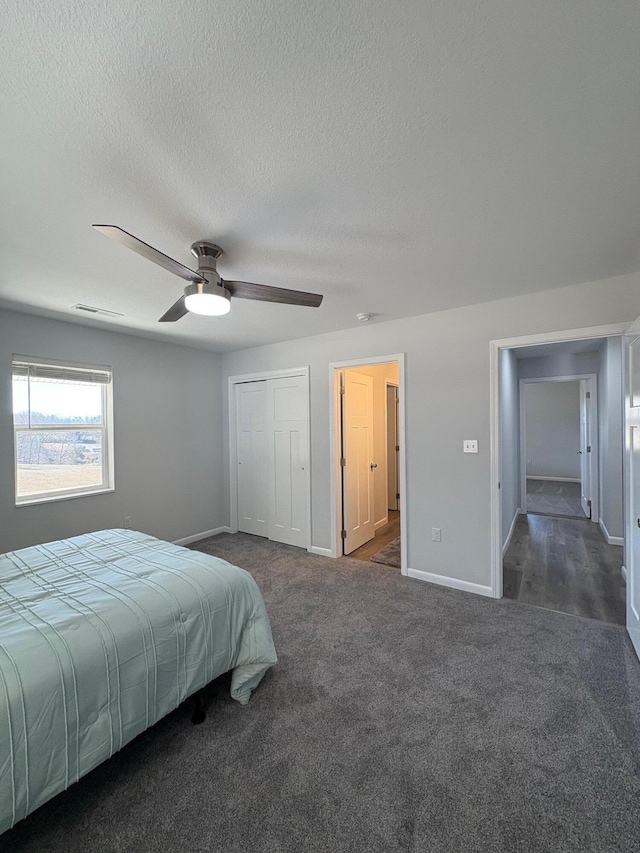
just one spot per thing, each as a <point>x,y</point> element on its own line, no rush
<point>565,564</point>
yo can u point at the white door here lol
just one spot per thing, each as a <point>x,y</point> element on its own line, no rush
<point>393,485</point>
<point>289,462</point>
<point>357,452</point>
<point>253,463</point>
<point>632,426</point>
<point>585,444</point>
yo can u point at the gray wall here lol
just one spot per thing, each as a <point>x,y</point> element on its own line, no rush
<point>447,400</point>
<point>510,439</point>
<point>167,433</point>
<point>552,429</point>
<point>611,436</point>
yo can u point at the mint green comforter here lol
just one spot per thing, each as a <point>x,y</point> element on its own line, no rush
<point>101,635</point>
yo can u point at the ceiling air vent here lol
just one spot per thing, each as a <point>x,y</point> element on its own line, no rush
<point>102,311</point>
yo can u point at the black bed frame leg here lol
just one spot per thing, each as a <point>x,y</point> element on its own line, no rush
<point>199,714</point>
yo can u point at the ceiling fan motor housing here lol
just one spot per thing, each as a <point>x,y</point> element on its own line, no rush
<point>207,255</point>
<point>209,286</point>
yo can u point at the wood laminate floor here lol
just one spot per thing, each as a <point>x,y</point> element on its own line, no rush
<point>565,564</point>
<point>383,536</point>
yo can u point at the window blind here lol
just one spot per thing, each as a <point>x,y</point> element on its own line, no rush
<point>33,370</point>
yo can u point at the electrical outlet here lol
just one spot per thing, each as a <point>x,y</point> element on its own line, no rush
<point>470,445</point>
<point>127,522</point>
<point>436,534</point>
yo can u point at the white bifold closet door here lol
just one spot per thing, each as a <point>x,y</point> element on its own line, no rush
<point>273,459</point>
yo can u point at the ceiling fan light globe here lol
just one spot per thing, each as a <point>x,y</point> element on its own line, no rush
<point>210,304</point>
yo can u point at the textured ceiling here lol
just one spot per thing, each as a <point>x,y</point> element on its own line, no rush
<point>399,157</point>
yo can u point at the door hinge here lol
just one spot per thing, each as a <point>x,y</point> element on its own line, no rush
<point>588,395</point>
<point>342,389</point>
<point>397,448</point>
<point>343,462</point>
<point>343,534</point>
<point>588,448</point>
<point>397,497</point>
<point>588,503</point>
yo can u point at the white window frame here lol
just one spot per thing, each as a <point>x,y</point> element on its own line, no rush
<point>105,428</point>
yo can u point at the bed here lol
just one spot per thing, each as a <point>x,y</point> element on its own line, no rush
<point>101,635</point>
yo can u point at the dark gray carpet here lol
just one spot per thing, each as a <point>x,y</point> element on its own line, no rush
<point>401,717</point>
<point>390,555</point>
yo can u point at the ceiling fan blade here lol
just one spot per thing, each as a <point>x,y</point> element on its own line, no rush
<point>264,293</point>
<point>148,252</point>
<point>177,310</point>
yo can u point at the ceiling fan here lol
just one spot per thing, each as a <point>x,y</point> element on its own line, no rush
<point>206,292</point>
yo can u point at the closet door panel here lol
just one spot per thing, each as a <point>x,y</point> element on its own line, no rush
<point>254,480</point>
<point>289,427</point>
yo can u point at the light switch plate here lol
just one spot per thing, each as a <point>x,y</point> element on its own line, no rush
<point>470,445</point>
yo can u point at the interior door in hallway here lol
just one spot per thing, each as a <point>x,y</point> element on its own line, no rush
<point>253,463</point>
<point>585,448</point>
<point>288,431</point>
<point>357,452</point>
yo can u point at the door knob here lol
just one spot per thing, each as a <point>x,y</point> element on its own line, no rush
<point>373,465</point>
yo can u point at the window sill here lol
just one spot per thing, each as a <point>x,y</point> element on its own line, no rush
<point>42,499</point>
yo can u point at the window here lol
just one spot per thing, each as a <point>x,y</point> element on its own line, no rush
<point>62,431</point>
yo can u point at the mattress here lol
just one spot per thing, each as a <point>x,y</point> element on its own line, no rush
<point>101,635</point>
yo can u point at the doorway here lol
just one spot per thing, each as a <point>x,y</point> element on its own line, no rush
<point>561,524</point>
<point>368,488</point>
<point>559,447</point>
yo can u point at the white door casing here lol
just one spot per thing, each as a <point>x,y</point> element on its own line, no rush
<point>336,369</point>
<point>357,451</point>
<point>632,430</point>
<point>495,346</point>
<point>585,448</point>
<point>287,427</point>
<point>252,458</point>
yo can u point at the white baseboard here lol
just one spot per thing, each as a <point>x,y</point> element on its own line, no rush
<point>381,523</point>
<point>510,533</point>
<point>612,540</point>
<point>554,479</point>
<point>187,540</point>
<point>321,552</point>
<point>452,583</point>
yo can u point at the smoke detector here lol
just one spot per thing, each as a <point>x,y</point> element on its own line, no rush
<point>364,317</point>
